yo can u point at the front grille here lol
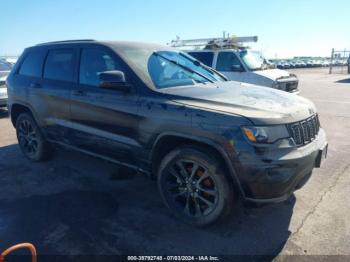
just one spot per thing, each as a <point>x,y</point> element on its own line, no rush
<point>305,131</point>
<point>291,86</point>
<point>2,84</point>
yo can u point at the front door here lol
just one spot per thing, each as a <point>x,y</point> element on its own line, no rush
<point>229,64</point>
<point>103,121</point>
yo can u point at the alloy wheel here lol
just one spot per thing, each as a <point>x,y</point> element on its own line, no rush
<point>191,189</point>
<point>27,138</point>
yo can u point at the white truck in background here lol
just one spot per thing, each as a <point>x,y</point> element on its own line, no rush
<point>238,63</point>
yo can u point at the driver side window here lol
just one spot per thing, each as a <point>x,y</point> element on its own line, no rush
<point>227,61</point>
<point>92,63</point>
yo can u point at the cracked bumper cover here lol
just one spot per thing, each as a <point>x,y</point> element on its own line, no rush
<point>275,177</point>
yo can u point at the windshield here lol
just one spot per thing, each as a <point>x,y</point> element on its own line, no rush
<point>171,68</point>
<point>253,60</point>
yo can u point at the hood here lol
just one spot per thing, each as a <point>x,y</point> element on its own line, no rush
<point>262,105</point>
<point>273,74</point>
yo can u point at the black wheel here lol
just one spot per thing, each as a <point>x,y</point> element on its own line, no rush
<point>32,143</point>
<point>194,186</point>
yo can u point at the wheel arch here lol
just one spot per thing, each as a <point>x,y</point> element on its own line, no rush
<point>166,142</point>
<point>18,108</point>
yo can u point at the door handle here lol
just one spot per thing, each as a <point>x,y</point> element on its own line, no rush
<point>35,85</point>
<point>79,93</point>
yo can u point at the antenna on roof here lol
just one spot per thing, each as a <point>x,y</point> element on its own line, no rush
<point>215,43</point>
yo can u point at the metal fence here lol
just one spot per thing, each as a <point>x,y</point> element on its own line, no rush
<point>339,63</point>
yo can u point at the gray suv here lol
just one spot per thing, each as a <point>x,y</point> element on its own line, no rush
<point>206,140</point>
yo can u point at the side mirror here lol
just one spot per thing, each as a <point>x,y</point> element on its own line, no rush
<point>237,68</point>
<point>114,80</point>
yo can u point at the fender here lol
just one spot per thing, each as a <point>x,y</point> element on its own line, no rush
<point>209,143</point>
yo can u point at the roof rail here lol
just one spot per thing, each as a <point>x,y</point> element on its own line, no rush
<point>67,41</point>
<point>214,43</point>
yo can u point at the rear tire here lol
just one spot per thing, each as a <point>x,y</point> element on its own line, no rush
<point>193,185</point>
<point>30,139</point>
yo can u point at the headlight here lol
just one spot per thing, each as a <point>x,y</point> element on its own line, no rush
<point>265,134</point>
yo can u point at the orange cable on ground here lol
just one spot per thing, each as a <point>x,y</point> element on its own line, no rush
<point>19,246</point>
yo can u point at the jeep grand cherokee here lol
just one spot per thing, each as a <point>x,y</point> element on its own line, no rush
<point>205,139</point>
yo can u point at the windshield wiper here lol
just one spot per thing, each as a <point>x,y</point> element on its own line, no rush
<point>184,67</point>
<point>208,68</point>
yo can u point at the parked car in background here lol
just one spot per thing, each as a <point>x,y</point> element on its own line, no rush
<point>303,64</point>
<point>292,64</point>
<point>283,65</point>
<point>274,62</point>
<point>318,63</point>
<point>5,69</point>
<point>11,60</point>
<point>298,64</point>
<point>3,92</point>
<point>309,63</point>
<point>247,67</point>
<point>158,110</point>
<point>278,64</point>
<point>325,63</point>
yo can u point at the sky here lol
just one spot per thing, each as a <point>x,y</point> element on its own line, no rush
<point>285,28</point>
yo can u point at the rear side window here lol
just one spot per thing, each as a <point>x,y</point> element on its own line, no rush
<point>59,65</point>
<point>92,63</point>
<point>32,64</point>
<point>226,61</point>
<point>205,57</point>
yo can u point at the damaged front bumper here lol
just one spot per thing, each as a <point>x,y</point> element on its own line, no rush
<point>274,175</point>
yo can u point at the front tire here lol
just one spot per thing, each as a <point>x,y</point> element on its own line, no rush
<point>194,186</point>
<point>30,139</point>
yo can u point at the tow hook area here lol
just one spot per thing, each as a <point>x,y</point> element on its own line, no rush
<point>19,246</point>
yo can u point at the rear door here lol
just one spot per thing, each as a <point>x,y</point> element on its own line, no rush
<point>27,76</point>
<point>44,78</point>
<point>230,65</point>
<point>104,121</point>
<point>53,94</point>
